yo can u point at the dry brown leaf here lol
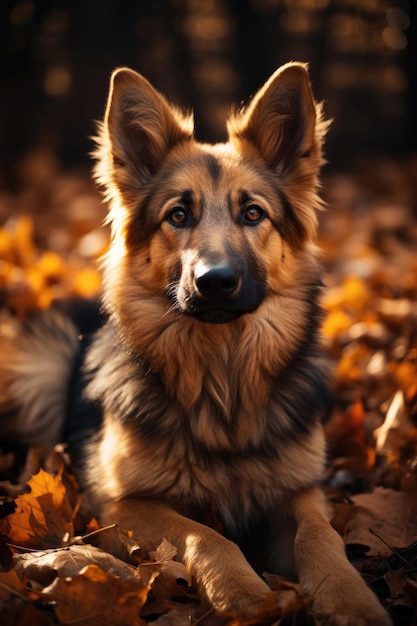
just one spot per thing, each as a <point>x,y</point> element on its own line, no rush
<point>395,579</point>
<point>410,588</point>
<point>44,566</point>
<point>119,542</point>
<point>174,578</point>
<point>180,615</point>
<point>391,514</point>
<point>97,598</point>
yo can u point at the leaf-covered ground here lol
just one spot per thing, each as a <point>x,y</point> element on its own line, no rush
<point>58,566</point>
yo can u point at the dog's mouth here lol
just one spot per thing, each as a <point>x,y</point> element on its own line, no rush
<point>216,316</point>
<point>213,312</point>
<point>217,311</point>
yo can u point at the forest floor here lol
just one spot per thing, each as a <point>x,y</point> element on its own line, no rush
<point>50,239</point>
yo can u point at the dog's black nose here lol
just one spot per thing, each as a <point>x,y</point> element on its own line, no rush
<point>218,280</point>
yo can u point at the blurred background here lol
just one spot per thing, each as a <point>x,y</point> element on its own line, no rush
<point>57,55</point>
<point>209,55</point>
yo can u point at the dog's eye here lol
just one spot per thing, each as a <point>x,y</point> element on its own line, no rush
<point>253,214</point>
<point>178,216</point>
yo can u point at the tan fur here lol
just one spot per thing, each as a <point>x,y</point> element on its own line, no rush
<point>209,370</point>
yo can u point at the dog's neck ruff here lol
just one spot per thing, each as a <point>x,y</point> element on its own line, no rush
<point>226,380</point>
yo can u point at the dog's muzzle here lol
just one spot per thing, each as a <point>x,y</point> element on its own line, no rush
<point>219,293</point>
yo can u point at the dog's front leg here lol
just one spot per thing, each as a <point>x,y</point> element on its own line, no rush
<point>216,564</point>
<point>340,595</point>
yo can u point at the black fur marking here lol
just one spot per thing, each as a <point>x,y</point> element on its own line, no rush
<point>244,198</point>
<point>187,198</point>
<point>83,417</point>
<point>291,228</point>
<point>213,166</point>
<point>141,226</point>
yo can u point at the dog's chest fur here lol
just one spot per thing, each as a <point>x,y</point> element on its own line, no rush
<point>196,455</point>
<point>236,483</point>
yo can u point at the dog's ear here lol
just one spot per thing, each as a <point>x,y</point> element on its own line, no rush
<point>285,126</point>
<point>138,131</point>
<point>281,119</point>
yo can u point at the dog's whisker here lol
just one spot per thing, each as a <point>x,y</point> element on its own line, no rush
<point>173,308</point>
<point>171,293</point>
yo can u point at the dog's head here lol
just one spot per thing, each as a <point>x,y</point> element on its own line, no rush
<point>208,231</point>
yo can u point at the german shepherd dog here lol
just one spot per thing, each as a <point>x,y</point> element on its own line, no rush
<point>208,370</point>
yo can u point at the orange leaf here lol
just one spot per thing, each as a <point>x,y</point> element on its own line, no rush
<point>97,598</point>
<point>23,614</point>
<point>406,375</point>
<point>10,585</point>
<point>353,362</point>
<point>51,266</point>
<point>336,322</point>
<point>23,236</point>
<point>86,282</point>
<point>42,517</point>
<point>347,427</point>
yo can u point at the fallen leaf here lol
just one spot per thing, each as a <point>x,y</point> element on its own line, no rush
<point>174,578</point>
<point>347,442</point>
<point>391,514</point>
<point>97,598</point>
<point>23,613</point>
<point>119,542</point>
<point>410,588</point>
<point>43,517</point>
<point>44,566</point>
<point>395,580</point>
<point>10,585</point>
<point>181,615</point>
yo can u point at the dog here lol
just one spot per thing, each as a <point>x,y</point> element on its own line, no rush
<point>207,369</point>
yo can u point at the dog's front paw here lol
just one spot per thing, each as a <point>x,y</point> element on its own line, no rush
<point>352,620</point>
<point>348,611</point>
<point>224,576</point>
<point>239,598</point>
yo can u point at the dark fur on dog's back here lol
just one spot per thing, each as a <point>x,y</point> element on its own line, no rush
<point>208,371</point>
